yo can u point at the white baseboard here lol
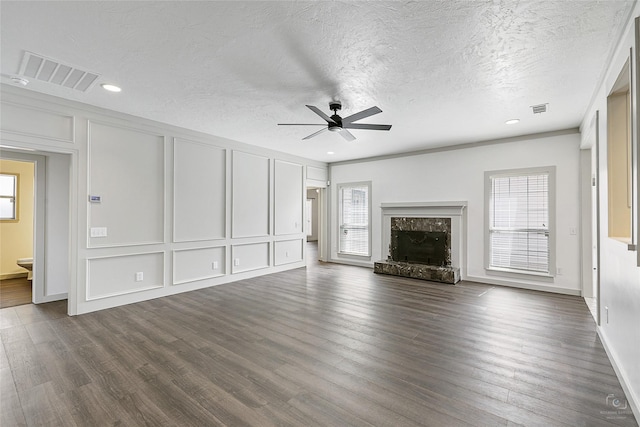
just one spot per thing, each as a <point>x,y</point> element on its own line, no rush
<point>529,286</point>
<point>51,298</point>
<point>632,399</point>
<point>13,275</point>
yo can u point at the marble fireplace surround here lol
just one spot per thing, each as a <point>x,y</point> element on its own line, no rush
<point>454,210</point>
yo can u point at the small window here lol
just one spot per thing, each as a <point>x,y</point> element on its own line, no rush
<point>355,231</point>
<point>520,212</point>
<point>8,201</point>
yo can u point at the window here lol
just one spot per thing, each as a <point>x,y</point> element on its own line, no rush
<point>619,155</point>
<point>355,232</point>
<point>8,202</point>
<point>520,211</point>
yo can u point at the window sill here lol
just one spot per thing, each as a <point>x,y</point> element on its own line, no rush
<point>354,256</point>
<point>518,273</point>
<point>625,240</point>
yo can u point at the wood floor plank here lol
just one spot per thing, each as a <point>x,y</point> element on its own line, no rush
<point>28,368</point>
<point>14,292</point>
<point>329,345</point>
<point>42,406</point>
<point>10,409</point>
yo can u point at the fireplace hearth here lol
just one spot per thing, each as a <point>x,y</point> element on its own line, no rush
<point>420,247</point>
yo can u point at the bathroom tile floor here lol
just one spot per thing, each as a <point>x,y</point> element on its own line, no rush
<point>15,292</point>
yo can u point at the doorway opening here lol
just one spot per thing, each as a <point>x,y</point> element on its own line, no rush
<point>52,261</point>
<point>315,225</point>
<point>17,214</point>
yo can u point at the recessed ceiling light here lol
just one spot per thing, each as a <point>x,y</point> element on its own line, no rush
<point>110,88</point>
<point>512,122</point>
<point>330,152</point>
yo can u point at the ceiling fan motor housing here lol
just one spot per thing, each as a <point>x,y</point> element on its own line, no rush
<point>335,106</point>
<point>337,125</point>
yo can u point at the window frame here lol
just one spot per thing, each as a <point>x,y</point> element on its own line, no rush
<point>340,188</point>
<point>550,171</point>
<point>16,190</point>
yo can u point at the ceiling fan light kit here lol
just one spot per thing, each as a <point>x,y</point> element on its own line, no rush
<point>335,123</point>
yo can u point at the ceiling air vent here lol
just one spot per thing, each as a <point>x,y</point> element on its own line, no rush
<point>55,72</point>
<point>539,109</point>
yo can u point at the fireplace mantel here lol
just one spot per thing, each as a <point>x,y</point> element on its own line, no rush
<point>456,210</point>
<point>435,208</point>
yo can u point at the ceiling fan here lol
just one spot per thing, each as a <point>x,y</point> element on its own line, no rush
<point>335,123</point>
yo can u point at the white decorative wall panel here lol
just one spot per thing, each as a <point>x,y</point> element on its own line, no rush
<point>289,199</point>
<point>199,191</point>
<point>126,170</point>
<point>250,209</point>
<point>197,264</point>
<point>37,122</point>
<point>118,275</point>
<point>249,257</point>
<point>288,251</point>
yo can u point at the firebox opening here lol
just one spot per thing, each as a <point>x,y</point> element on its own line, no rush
<point>421,247</point>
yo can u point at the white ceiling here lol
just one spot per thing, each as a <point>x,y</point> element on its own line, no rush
<point>443,72</point>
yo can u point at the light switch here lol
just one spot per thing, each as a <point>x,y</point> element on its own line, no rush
<point>214,265</point>
<point>139,276</point>
<point>236,262</point>
<point>98,232</point>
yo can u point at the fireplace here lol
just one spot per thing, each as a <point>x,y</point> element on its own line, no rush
<point>423,241</point>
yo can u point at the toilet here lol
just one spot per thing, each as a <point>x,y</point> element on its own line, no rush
<point>26,263</point>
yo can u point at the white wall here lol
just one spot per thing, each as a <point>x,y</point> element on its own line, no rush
<point>182,210</point>
<point>458,175</point>
<point>619,271</point>
<point>57,231</point>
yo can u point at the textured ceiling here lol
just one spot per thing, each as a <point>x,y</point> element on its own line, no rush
<point>443,72</point>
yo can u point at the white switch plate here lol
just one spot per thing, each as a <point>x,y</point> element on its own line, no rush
<point>139,276</point>
<point>236,262</point>
<point>98,232</point>
<point>214,265</point>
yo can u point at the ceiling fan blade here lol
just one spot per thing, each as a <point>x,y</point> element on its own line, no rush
<point>361,115</point>
<point>320,113</point>
<point>366,126</point>
<point>316,133</point>
<point>347,135</point>
<point>302,124</point>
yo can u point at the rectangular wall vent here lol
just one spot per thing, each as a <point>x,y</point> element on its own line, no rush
<point>539,109</point>
<point>49,70</point>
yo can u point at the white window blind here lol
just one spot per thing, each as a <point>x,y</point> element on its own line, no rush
<point>354,219</point>
<point>519,222</point>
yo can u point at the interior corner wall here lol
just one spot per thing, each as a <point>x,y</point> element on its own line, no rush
<point>153,209</point>
<point>57,233</point>
<point>458,175</point>
<point>619,301</point>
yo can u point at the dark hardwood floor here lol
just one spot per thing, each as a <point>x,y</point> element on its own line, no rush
<point>15,292</point>
<point>330,345</point>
